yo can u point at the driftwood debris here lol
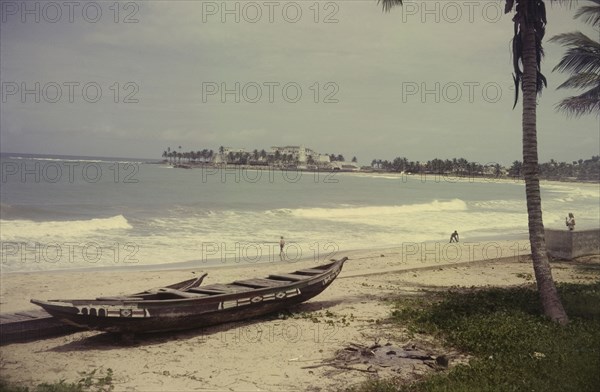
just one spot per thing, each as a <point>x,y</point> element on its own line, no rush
<point>376,357</point>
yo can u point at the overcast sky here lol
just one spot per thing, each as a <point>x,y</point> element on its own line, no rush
<point>368,81</point>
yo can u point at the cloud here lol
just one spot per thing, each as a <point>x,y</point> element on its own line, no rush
<point>368,58</point>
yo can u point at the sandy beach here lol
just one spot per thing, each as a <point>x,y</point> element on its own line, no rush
<point>282,352</point>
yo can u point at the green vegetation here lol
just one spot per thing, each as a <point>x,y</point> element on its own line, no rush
<point>205,155</point>
<point>586,170</point>
<point>89,382</point>
<point>326,317</point>
<point>515,348</point>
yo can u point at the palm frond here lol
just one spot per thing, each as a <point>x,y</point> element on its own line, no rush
<point>582,80</point>
<point>387,5</point>
<point>582,61</point>
<point>586,103</point>
<point>590,14</point>
<point>583,53</point>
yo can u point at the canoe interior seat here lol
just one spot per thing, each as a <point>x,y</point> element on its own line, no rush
<point>292,277</point>
<point>138,298</point>
<point>310,271</point>
<point>220,289</point>
<point>205,291</point>
<point>261,283</point>
<point>173,293</point>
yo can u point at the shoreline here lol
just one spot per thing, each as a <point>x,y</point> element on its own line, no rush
<point>438,177</point>
<point>216,263</point>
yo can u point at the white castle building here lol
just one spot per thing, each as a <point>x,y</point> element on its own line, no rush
<point>301,153</point>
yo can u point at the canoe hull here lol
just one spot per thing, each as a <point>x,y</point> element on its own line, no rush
<point>181,314</point>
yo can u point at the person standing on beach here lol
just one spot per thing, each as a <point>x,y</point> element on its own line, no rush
<point>570,221</point>
<point>454,236</point>
<point>281,245</point>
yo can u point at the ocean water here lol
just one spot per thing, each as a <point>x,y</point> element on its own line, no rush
<point>78,212</point>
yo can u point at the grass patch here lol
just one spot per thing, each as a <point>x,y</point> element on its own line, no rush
<point>515,347</point>
<point>93,381</point>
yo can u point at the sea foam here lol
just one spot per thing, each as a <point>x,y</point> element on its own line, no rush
<point>370,212</point>
<point>15,230</point>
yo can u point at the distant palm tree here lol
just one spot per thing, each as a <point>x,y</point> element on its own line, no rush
<point>582,61</point>
<point>529,28</point>
<point>497,170</point>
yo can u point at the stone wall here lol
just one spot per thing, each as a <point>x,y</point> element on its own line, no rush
<point>565,244</point>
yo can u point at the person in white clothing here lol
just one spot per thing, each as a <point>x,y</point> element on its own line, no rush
<point>570,221</point>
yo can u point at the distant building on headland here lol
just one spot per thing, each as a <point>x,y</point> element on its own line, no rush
<point>284,157</point>
<point>221,157</point>
<point>301,154</point>
<point>298,153</point>
<point>227,150</point>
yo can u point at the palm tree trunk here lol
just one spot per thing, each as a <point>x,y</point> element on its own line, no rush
<point>548,294</point>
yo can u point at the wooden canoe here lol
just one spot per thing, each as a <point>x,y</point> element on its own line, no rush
<point>187,305</point>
